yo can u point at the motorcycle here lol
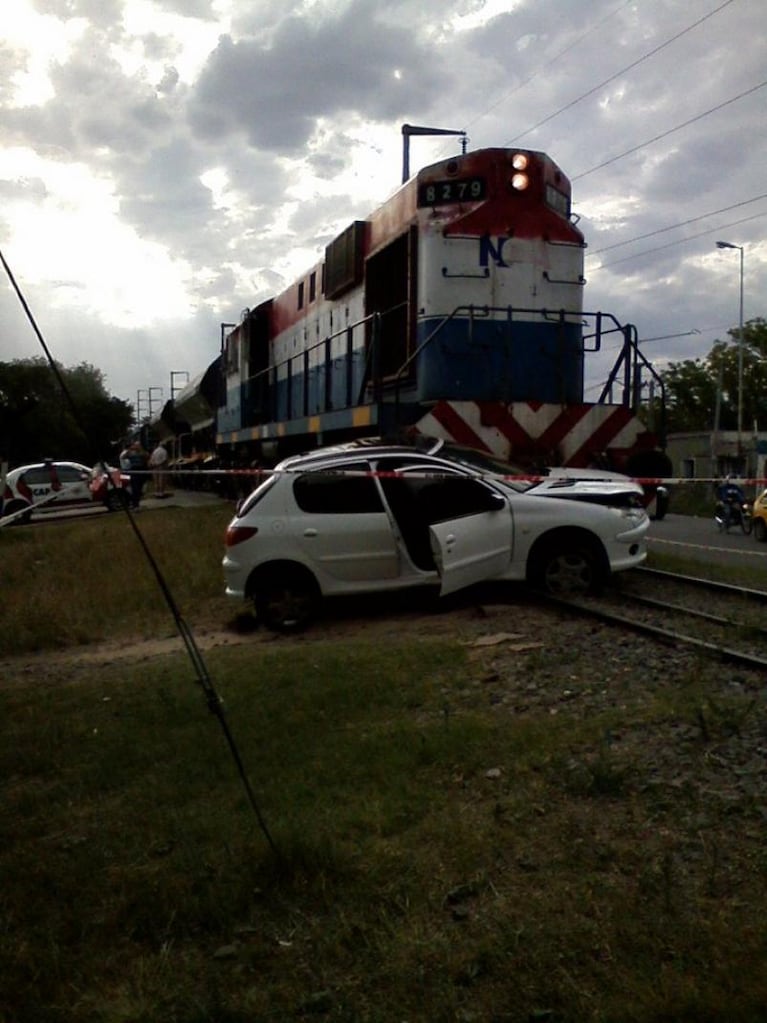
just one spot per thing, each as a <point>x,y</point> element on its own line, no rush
<point>736,513</point>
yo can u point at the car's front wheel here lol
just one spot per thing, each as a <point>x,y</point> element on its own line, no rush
<point>567,567</point>
<point>760,530</point>
<point>287,599</point>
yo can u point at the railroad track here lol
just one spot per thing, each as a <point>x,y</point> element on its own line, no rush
<point>719,619</point>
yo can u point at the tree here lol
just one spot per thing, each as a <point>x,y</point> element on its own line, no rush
<point>37,421</point>
<point>694,386</point>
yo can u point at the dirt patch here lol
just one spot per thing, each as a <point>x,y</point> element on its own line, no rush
<point>371,621</point>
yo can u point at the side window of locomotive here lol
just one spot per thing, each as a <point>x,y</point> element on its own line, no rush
<point>326,494</point>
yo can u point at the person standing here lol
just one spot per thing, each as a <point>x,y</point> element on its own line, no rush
<point>138,462</point>
<point>158,462</point>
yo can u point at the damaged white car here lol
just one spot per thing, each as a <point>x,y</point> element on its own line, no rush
<point>370,519</point>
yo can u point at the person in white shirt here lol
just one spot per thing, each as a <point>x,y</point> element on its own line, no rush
<point>158,461</point>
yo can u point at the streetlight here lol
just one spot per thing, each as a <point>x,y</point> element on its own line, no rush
<point>729,245</point>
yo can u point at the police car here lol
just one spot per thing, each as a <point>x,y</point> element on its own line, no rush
<point>53,486</point>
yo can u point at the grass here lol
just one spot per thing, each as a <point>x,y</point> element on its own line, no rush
<point>750,576</point>
<point>438,857</point>
<point>429,866</point>
<point>75,582</point>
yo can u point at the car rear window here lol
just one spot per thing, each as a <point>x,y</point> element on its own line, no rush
<point>252,499</point>
<point>36,476</point>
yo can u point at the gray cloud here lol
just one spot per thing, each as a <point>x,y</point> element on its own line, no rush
<point>292,84</point>
<point>273,94</point>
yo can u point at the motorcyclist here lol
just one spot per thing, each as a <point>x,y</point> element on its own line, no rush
<point>730,495</point>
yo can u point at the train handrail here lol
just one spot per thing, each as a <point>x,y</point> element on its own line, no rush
<point>269,373</point>
<point>604,325</point>
<point>631,360</point>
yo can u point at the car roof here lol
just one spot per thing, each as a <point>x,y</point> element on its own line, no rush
<point>584,481</point>
<point>348,453</point>
<point>47,461</point>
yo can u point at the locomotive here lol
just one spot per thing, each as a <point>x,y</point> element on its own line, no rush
<point>455,311</point>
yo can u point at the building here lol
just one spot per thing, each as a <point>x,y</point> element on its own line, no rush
<point>710,455</point>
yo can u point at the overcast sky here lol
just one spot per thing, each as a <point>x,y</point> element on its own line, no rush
<point>165,164</point>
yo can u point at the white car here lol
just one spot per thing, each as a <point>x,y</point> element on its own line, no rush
<point>366,519</point>
<point>53,486</point>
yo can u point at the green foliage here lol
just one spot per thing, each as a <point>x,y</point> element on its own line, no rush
<point>583,884</point>
<point>441,855</point>
<point>37,421</point>
<point>87,580</point>
<point>693,386</point>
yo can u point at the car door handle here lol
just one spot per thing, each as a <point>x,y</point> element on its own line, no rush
<point>450,538</point>
<point>310,532</point>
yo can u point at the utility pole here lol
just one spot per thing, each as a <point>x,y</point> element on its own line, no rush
<point>142,406</point>
<point>154,399</point>
<point>174,388</point>
<point>414,129</point>
<point>729,245</point>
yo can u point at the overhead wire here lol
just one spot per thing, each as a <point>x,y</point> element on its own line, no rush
<point>673,227</point>
<point>679,241</point>
<point>611,78</point>
<point>543,67</point>
<point>213,700</point>
<point>670,131</point>
<point>622,71</point>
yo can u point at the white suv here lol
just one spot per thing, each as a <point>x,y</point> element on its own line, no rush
<point>368,519</point>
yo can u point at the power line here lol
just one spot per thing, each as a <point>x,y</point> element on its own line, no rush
<point>665,134</point>
<point>672,227</point>
<point>543,67</point>
<point>679,241</point>
<point>623,71</point>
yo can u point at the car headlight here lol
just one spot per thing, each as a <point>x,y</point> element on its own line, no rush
<point>634,515</point>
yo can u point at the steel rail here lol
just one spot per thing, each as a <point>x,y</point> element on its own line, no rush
<point>707,584</point>
<point>706,616</point>
<point>666,635</point>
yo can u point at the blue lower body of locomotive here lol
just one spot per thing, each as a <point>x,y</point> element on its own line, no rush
<point>500,360</point>
<point>461,360</point>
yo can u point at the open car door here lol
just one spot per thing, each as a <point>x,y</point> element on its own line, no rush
<point>475,544</point>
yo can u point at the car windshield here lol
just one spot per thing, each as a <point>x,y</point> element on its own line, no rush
<point>486,463</point>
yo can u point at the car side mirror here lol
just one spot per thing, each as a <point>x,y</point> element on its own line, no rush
<point>496,502</point>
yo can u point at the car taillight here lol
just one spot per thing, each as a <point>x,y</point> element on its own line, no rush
<point>236,534</point>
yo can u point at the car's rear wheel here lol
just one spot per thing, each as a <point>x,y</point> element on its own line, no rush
<point>287,600</point>
<point>567,568</point>
<point>760,530</point>
<point>12,507</point>
<point>116,499</point>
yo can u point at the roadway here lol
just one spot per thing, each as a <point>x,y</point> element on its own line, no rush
<point>695,537</point>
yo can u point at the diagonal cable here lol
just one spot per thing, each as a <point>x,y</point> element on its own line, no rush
<point>213,700</point>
